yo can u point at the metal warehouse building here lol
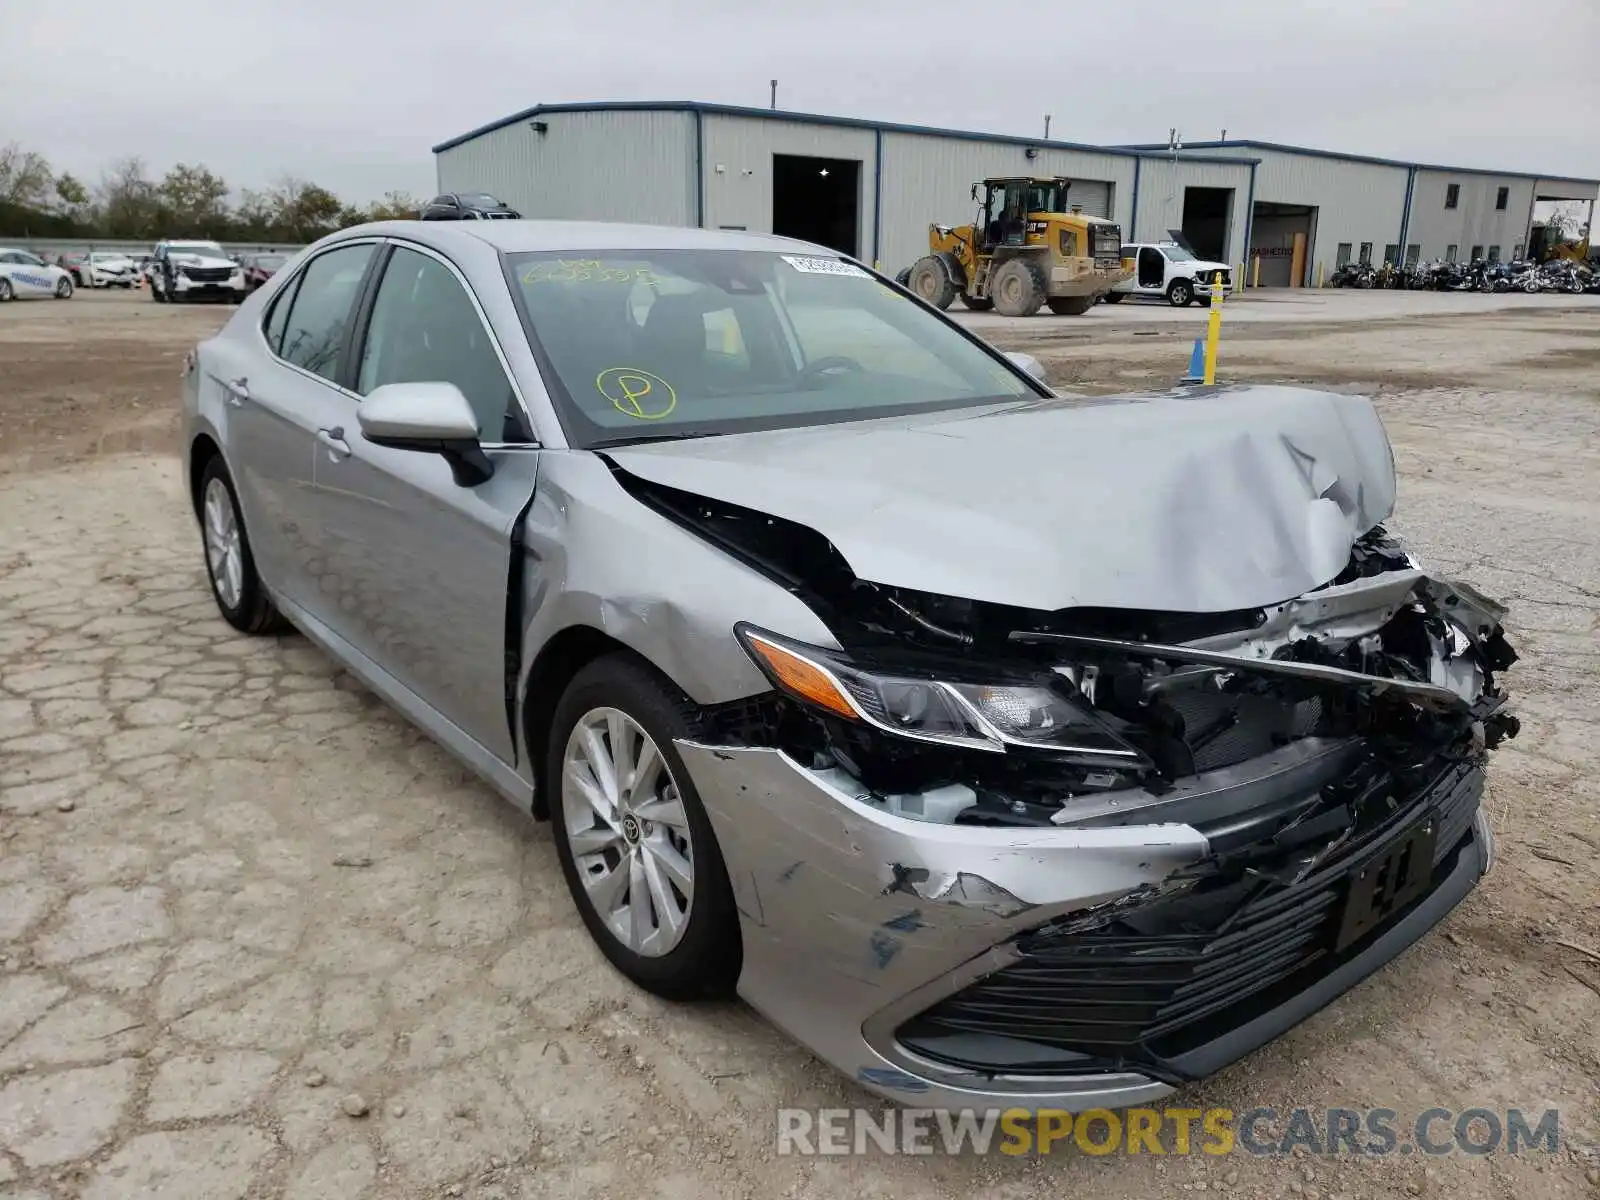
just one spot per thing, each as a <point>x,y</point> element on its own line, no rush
<point>871,188</point>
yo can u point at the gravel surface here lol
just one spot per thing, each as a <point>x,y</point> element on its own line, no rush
<point>259,937</point>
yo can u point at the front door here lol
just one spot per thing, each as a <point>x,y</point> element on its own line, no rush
<point>1152,268</point>
<point>417,566</point>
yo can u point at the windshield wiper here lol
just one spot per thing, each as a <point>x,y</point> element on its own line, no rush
<point>640,439</point>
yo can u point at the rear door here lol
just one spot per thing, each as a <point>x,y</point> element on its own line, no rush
<point>418,567</point>
<point>278,398</point>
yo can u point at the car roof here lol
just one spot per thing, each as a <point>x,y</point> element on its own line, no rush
<point>524,236</point>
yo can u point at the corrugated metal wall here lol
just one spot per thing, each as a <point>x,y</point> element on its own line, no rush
<point>738,168</point>
<point>598,166</point>
<point>1474,221</point>
<point>928,179</point>
<point>1356,202</point>
<point>1161,187</point>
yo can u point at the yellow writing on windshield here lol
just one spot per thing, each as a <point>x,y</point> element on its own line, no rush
<point>640,394</point>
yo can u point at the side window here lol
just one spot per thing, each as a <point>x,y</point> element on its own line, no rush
<point>313,335</point>
<point>278,316</point>
<point>425,329</point>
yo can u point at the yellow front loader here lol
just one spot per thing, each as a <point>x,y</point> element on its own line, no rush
<point>1025,250</point>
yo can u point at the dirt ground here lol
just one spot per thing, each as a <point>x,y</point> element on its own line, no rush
<point>258,937</point>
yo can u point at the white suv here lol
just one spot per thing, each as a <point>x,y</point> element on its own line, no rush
<point>1167,269</point>
<point>183,270</point>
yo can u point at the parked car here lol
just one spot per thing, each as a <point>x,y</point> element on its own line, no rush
<point>104,269</point>
<point>189,270</point>
<point>798,611</point>
<point>258,268</point>
<point>24,275</point>
<point>1166,269</point>
<point>73,265</point>
<point>467,206</point>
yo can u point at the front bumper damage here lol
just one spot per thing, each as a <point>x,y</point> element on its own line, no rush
<point>1140,937</point>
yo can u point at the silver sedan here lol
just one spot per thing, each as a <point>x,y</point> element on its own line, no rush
<point>1006,749</point>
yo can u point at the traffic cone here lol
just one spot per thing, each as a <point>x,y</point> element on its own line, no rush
<point>1197,363</point>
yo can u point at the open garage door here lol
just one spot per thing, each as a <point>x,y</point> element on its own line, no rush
<point>1093,196</point>
<point>1281,236</point>
<point>1207,221</point>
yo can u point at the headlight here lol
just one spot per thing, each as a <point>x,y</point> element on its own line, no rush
<point>977,716</point>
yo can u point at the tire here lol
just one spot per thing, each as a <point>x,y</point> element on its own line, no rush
<point>1114,297</point>
<point>700,959</point>
<point>1070,306</point>
<point>976,303</point>
<point>157,294</point>
<point>237,589</point>
<point>5,290</point>
<point>1017,287</point>
<point>64,288</point>
<point>930,281</point>
<point>1180,293</point>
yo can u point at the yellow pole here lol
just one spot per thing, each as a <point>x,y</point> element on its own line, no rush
<point>1256,270</point>
<point>1214,331</point>
<point>1319,273</point>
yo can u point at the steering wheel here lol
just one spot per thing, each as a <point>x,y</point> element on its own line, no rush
<point>831,364</point>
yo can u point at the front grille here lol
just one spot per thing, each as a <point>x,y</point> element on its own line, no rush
<point>208,274</point>
<point>1177,973</point>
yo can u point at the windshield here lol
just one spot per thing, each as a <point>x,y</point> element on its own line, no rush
<point>207,249</point>
<point>1044,197</point>
<point>480,200</point>
<point>1178,254</point>
<point>108,258</point>
<point>679,343</point>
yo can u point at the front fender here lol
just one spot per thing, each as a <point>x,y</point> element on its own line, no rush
<point>597,557</point>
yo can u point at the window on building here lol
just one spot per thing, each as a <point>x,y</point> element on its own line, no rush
<point>1452,195</point>
<point>1391,253</point>
<point>1451,251</point>
<point>1477,253</point>
<point>1343,256</point>
<point>1501,197</point>
<point>1366,254</point>
<point>1494,253</point>
<point>1413,254</point>
<point>1516,252</point>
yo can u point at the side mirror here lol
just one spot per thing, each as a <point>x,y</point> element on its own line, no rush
<point>1028,363</point>
<point>433,418</point>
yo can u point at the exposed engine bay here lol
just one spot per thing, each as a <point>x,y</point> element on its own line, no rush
<point>1382,656</point>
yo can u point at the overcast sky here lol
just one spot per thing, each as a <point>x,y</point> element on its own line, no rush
<point>352,93</point>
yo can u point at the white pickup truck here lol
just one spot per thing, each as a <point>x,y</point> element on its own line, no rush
<point>1167,269</point>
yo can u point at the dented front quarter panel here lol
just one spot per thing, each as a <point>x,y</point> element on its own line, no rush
<point>596,557</point>
<point>850,914</point>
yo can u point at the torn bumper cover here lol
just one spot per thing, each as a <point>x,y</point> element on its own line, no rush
<point>1312,810</point>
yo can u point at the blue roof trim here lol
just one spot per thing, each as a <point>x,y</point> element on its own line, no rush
<point>1309,152</point>
<point>776,114</point>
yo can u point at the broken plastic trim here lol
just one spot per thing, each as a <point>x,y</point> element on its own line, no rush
<point>1430,695</point>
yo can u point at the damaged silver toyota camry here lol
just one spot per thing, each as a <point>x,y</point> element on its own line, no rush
<point>1004,748</point>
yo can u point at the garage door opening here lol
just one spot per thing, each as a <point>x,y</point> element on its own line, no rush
<point>1207,213</point>
<point>818,200</point>
<point>1281,237</point>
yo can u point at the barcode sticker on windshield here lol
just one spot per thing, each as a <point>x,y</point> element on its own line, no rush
<point>823,266</point>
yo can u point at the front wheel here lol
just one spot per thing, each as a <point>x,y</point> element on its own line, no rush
<point>634,841</point>
<point>64,288</point>
<point>1018,288</point>
<point>1180,294</point>
<point>5,290</point>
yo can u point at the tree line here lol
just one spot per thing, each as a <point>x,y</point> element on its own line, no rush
<point>189,201</point>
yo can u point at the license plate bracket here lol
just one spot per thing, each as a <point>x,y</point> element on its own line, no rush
<point>1388,881</point>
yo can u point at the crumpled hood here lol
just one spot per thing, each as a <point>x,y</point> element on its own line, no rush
<point>1187,502</point>
<point>182,258</point>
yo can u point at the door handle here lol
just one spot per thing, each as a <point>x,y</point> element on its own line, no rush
<point>333,439</point>
<point>238,391</point>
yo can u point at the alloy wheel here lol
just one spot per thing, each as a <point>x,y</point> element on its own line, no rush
<point>628,832</point>
<point>224,548</point>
